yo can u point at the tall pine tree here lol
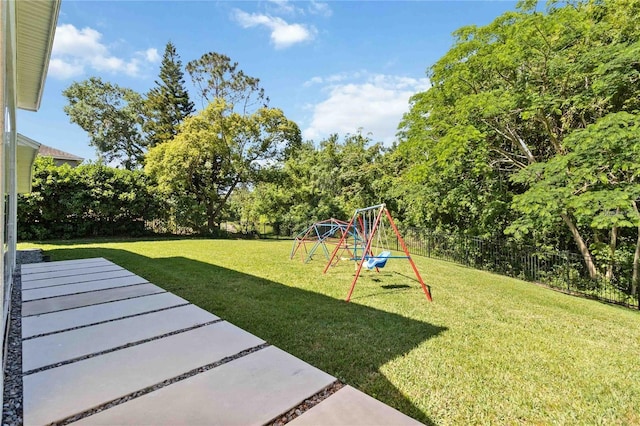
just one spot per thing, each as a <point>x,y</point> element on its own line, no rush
<point>168,103</point>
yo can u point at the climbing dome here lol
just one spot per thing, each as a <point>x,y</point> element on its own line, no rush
<point>324,236</point>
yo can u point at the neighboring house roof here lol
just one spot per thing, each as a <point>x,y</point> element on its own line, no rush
<point>26,151</point>
<point>35,27</point>
<point>56,154</point>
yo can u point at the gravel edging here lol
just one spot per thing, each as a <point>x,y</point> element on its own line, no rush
<point>30,256</point>
<point>12,410</point>
<point>307,404</point>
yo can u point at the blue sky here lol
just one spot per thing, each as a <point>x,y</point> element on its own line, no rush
<point>332,67</point>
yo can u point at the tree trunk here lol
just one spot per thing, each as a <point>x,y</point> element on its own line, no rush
<point>635,278</point>
<point>582,246</point>
<point>224,200</point>
<point>210,217</point>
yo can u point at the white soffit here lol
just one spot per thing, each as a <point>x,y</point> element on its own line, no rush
<point>35,28</point>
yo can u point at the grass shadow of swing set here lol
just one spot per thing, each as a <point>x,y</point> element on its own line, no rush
<point>349,341</point>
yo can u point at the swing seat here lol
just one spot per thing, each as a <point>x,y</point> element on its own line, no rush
<point>378,261</point>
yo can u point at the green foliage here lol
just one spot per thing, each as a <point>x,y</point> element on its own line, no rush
<point>167,104</point>
<point>442,192</point>
<point>224,147</point>
<point>317,183</point>
<point>597,181</point>
<point>86,201</point>
<point>218,78</point>
<point>112,116</point>
<point>509,102</point>
<point>214,152</point>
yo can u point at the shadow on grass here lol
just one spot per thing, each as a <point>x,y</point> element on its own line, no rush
<point>347,340</point>
<point>393,286</point>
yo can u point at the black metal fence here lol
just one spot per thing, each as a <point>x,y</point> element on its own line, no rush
<point>561,270</point>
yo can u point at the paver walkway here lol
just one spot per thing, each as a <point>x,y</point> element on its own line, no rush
<point>102,346</point>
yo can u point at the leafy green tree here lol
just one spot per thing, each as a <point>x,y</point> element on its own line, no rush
<point>214,152</point>
<point>317,183</point>
<point>218,78</point>
<point>112,116</point>
<point>167,104</point>
<point>459,194</point>
<point>507,95</point>
<point>597,181</point>
<point>224,147</point>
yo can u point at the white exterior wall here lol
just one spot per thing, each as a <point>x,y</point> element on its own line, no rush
<point>7,126</point>
<point>37,26</point>
<point>7,149</point>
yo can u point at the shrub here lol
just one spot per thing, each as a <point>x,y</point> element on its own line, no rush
<point>87,201</point>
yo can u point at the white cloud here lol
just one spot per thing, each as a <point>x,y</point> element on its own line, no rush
<point>283,34</point>
<point>285,7</point>
<point>334,78</point>
<point>312,81</point>
<point>152,55</point>
<point>374,104</point>
<point>319,8</point>
<point>76,50</point>
<point>291,8</point>
<point>74,42</point>
<point>64,70</point>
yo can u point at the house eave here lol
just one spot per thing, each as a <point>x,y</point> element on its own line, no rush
<point>35,29</point>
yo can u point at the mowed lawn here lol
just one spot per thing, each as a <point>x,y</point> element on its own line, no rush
<point>487,350</point>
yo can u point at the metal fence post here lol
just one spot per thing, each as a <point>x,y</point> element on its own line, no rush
<point>567,268</point>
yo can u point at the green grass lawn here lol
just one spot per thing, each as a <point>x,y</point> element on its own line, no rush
<point>487,350</point>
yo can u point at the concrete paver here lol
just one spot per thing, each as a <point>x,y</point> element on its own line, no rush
<point>247,391</point>
<point>55,394</point>
<point>66,272</point>
<point>63,264</point>
<point>42,306</point>
<point>84,277</point>
<point>61,290</point>
<point>55,348</point>
<point>351,407</point>
<point>57,321</point>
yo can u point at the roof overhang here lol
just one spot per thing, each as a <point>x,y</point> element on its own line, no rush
<point>35,29</point>
<point>26,151</point>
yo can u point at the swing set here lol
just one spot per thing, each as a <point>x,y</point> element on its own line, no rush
<point>365,231</point>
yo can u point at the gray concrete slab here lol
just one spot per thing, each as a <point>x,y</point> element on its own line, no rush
<point>52,266</point>
<point>43,306</point>
<point>61,290</point>
<point>247,391</point>
<point>81,278</point>
<point>56,321</point>
<point>351,407</point>
<point>55,394</point>
<point>66,272</point>
<point>59,347</point>
<point>67,262</point>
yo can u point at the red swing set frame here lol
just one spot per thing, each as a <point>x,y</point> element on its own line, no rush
<point>359,228</point>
